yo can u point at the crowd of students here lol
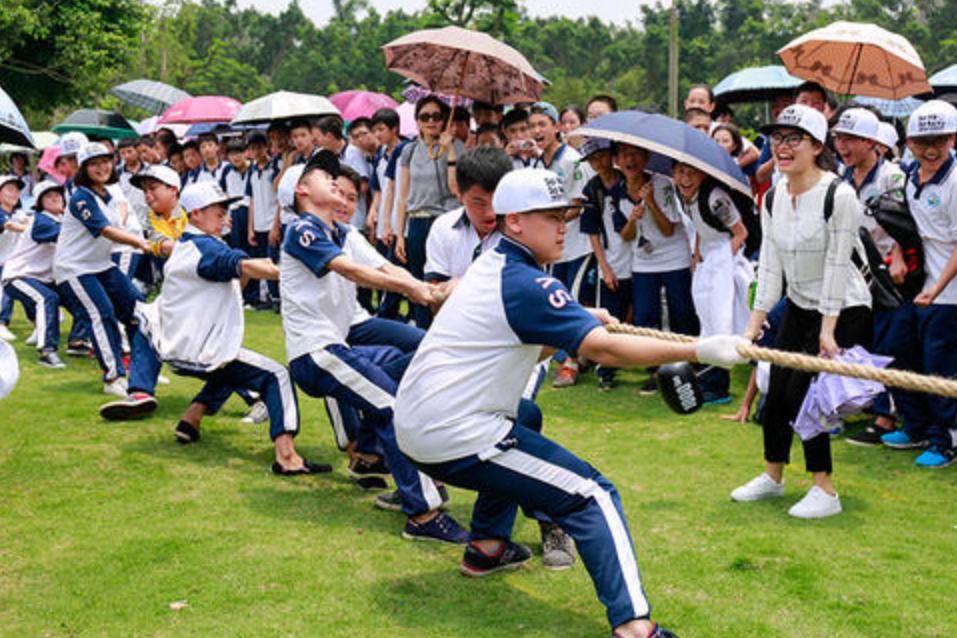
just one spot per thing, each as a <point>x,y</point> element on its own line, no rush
<point>413,277</point>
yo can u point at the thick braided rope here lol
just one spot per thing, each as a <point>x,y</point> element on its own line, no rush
<point>807,363</point>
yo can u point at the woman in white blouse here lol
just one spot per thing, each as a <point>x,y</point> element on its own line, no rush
<point>806,256</point>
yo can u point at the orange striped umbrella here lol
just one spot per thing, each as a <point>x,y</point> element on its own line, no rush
<point>853,58</point>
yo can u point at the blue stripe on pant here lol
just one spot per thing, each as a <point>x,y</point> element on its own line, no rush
<point>527,469</point>
<point>102,299</point>
<point>366,378</point>
<point>925,340</point>
<point>41,301</point>
<point>253,371</point>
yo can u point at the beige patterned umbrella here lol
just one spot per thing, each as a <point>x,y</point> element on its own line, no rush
<point>853,58</point>
<point>462,62</point>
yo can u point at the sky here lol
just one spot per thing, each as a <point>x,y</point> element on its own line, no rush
<point>617,11</point>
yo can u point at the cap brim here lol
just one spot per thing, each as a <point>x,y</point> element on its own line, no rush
<point>546,206</point>
<point>140,179</point>
<point>93,157</point>
<point>767,129</point>
<point>37,204</point>
<point>16,180</point>
<point>844,131</point>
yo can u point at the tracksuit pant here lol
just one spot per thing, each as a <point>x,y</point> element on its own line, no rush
<point>6,305</point>
<point>526,469</point>
<point>925,340</point>
<point>128,262</point>
<point>366,378</point>
<point>103,299</point>
<point>248,371</point>
<point>41,302</point>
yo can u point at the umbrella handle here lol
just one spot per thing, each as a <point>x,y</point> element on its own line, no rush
<point>458,91</point>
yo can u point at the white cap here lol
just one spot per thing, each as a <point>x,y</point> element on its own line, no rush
<point>71,143</point>
<point>202,194</point>
<point>887,135</point>
<point>803,118</point>
<point>92,150</point>
<point>42,189</point>
<point>934,117</point>
<point>160,173</point>
<point>859,123</point>
<point>6,179</point>
<point>286,193</point>
<point>9,369</point>
<point>530,189</point>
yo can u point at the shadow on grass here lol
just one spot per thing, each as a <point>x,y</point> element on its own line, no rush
<point>446,603</point>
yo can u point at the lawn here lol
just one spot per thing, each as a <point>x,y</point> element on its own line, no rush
<point>103,526</point>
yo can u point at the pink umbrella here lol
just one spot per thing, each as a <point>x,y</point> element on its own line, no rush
<point>206,108</point>
<point>407,124</point>
<point>47,160</point>
<point>354,104</point>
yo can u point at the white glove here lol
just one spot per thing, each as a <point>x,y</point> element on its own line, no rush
<point>721,350</point>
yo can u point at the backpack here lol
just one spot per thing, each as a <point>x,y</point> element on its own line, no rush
<point>884,293</point>
<point>745,206</point>
<point>891,213</point>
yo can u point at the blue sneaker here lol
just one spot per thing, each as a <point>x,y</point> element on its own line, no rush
<point>442,529</point>
<point>936,457</point>
<point>713,398</point>
<point>900,440</point>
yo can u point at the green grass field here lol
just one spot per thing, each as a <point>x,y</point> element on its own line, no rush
<point>103,526</point>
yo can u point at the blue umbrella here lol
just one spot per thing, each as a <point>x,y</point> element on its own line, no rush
<point>669,140</point>
<point>149,95</point>
<point>890,108</point>
<point>13,128</point>
<point>755,84</point>
<point>944,80</point>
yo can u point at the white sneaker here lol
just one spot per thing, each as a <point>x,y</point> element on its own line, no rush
<point>32,339</point>
<point>5,333</point>
<point>162,379</point>
<point>816,504</point>
<point>257,414</point>
<point>117,387</point>
<point>758,489</point>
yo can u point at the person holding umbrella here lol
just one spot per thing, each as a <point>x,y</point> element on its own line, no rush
<point>828,300</point>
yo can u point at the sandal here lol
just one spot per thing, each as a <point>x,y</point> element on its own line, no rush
<point>308,467</point>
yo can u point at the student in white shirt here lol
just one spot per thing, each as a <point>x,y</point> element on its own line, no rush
<point>233,183</point>
<point>211,167</point>
<point>828,301</point>
<point>88,282</point>
<point>177,327</point>
<point>264,214</point>
<point>923,335</point>
<point>319,296</point>
<point>460,415</point>
<point>10,228</point>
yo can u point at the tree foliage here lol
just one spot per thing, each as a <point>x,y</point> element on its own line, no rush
<point>51,60</point>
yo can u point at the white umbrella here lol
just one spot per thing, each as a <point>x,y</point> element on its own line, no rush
<point>854,58</point>
<point>13,128</point>
<point>284,105</point>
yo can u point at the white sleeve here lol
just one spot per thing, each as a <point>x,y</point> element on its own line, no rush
<point>436,257</point>
<point>362,252</point>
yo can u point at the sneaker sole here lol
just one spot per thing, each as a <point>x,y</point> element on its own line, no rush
<point>183,438</point>
<point>907,446</point>
<point>471,572</point>
<point>755,499</point>
<point>941,466</point>
<point>122,411</point>
<point>430,539</point>
<point>390,507</point>
<point>557,568</point>
<point>365,475</point>
<point>863,443</point>
<point>51,366</point>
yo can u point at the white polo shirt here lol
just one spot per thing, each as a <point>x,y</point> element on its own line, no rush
<point>204,174</point>
<point>666,253</point>
<point>723,209</point>
<point>81,248</point>
<point>453,245</point>
<point>601,217</point>
<point>358,249</point>
<point>32,254</point>
<point>260,194</point>
<point>233,184</point>
<point>318,305</point>
<point>460,394</point>
<point>133,224</point>
<point>568,165</point>
<point>934,207</point>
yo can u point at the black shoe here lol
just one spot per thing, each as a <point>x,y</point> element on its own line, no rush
<point>370,483</point>
<point>868,437</point>
<point>360,468</point>
<point>136,406</point>
<point>186,433</point>
<point>78,348</point>
<point>389,501</point>
<point>661,632</point>
<point>308,467</point>
<point>476,563</point>
<point>606,384</point>
<point>649,387</point>
<point>50,359</point>
<point>444,495</point>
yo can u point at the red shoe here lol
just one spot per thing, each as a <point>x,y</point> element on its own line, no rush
<point>566,376</point>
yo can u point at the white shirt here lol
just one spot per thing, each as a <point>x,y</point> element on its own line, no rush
<point>135,197</point>
<point>318,305</point>
<point>574,173</point>
<point>132,225</point>
<point>460,394</point>
<point>81,248</point>
<point>722,207</point>
<point>666,253</point>
<point>233,184</point>
<point>197,320</point>
<point>353,157</point>
<point>261,195</point>
<point>453,245</point>
<point>602,218</point>
<point>9,238</point>
<point>812,255</point>
<point>358,249</point>
<point>934,207</point>
<point>33,251</point>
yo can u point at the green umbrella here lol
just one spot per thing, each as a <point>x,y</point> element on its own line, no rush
<point>97,123</point>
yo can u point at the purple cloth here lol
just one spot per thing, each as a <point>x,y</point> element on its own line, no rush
<point>832,397</point>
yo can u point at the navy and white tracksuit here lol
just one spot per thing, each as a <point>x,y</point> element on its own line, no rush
<point>179,328</point>
<point>460,416</point>
<point>317,312</point>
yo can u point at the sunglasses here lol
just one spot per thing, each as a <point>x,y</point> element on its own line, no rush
<point>431,117</point>
<point>791,139</point>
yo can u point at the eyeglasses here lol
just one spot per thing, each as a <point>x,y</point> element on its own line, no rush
<point>791,139</point>
<point>930,140</point>
<point>430,117</point>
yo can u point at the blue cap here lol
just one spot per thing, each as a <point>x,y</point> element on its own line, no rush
<point>548,109</point>
<point>594,144</point>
